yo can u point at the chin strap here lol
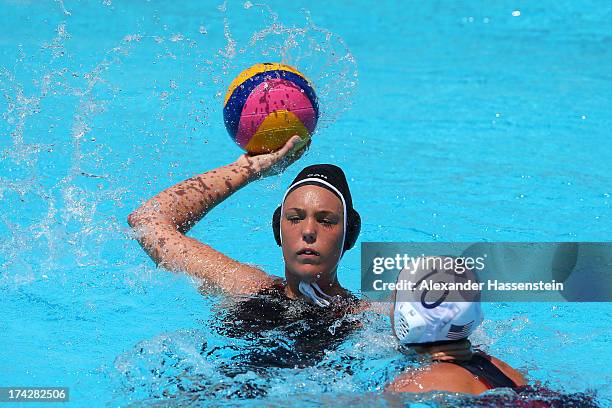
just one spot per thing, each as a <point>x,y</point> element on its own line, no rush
<point>310,291</point>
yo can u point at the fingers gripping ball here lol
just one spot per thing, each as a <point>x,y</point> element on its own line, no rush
<point>267,104</point>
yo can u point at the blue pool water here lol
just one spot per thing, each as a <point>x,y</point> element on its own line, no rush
<point>455,121</point>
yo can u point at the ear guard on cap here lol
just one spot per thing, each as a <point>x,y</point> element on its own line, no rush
<point>276,225</point>
<point>409,325</point>
<point>353,227</point>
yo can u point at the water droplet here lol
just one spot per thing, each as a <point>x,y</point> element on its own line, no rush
<point>177,37</point>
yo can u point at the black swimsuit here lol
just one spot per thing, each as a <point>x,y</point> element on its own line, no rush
<point>282,333</point>
<point>487,372</point>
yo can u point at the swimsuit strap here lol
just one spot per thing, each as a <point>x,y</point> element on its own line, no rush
<point>487,372</point>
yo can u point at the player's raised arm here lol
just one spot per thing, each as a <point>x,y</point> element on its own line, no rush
<point>162,221</point>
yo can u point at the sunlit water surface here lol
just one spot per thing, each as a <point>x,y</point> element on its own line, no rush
<point>462,121</point>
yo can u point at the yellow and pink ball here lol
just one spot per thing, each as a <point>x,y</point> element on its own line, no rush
<point>267,104</point>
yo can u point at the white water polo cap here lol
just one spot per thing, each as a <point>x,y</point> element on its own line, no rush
<point>424,316</point>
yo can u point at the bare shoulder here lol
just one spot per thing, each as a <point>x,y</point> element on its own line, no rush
<point>436,377</point>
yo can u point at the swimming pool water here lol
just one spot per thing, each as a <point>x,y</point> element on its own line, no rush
<point>454,121</point>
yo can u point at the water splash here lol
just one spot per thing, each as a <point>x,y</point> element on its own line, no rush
<point>91,131</point>
<point>70,176</point>
<point>322,55</point>
<point>193,365</point>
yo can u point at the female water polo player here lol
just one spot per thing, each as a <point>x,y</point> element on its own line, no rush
<point>436,326</point>
<point>314,224</point>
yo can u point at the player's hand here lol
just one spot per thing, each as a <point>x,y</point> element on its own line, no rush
<point>267,164</point>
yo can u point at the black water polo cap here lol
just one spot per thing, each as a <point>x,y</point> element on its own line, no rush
<point>332,178</point>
